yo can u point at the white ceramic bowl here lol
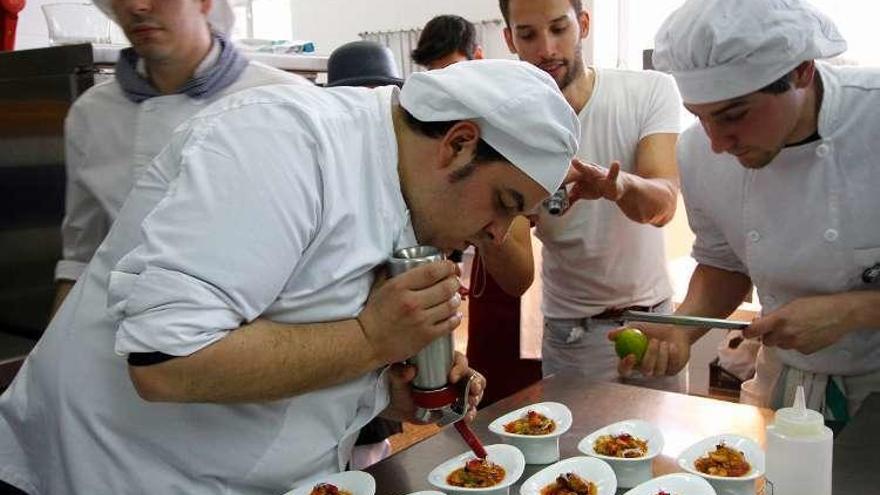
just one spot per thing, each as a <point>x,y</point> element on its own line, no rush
<point>743,485</point>
<point>674,484</point>
<point>356,482</point>
<point>630,471</point>
<point>537,449</point>
<point>506,456</point>
<point>589,468</point>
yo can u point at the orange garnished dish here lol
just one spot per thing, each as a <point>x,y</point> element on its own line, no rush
<point>533,423</point>
<point>570,484</point>
<point>327,489</point>
<point>723,461</point>
<point>476,473</point>
<point>623,445</point>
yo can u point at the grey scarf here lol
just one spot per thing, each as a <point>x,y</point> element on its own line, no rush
<point>230,64</point>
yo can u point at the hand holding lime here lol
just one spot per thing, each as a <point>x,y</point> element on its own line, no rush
<point>631,341</point>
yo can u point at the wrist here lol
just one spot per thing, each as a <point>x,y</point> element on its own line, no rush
<point>626,184</point>
<point>374,359</point>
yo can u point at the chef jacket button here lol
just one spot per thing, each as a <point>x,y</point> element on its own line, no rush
<point>822,149</point>
<point>754,236</point>
<point>831,235</point>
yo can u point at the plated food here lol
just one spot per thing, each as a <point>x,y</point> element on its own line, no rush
<point>328,489</point>
<point>535,430</point>
<point>477,473</point>
<point>628,446</point>
<point>532,423</point>
<point>464,474</point>
<point>621,445</point>
<point>674,484</point>
<point>744,484</point>
<point>570,484</point>
<point>723,461</point>
<point>344,483</point>
<point>572,476</point>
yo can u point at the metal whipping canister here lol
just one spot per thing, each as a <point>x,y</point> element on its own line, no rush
<point>435,360</point>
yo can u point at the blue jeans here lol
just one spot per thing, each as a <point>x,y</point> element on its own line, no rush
<point>581,345</point>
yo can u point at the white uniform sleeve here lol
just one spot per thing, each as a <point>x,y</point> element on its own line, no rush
<point>85,222</point>
<point>663,109</point>
<point>710,246</point>
<point>220,246</point>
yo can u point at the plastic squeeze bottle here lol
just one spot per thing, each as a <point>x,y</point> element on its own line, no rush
<point>799,451</point>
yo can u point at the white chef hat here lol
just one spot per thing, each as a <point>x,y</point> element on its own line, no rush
<point>518,107</point>
<point>723,49</point>
<point>221,17</point>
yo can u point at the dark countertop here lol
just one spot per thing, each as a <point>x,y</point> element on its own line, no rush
<point>683,419</point>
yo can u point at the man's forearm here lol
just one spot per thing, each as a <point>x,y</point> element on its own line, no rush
<point>713,293</point>
<point>261,361</point>
<point>860,309</point>
<point>648,200</point>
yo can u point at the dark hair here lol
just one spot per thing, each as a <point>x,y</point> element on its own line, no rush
<point>483,153</point>
<point>505,9</point>
<point>443,35</point>
<point>780,85</point>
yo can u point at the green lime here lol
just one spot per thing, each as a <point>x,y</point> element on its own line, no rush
<point>631,341</point>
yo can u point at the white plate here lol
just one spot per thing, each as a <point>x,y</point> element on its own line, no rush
<point>589,468</point>
<point>356,482</point>
<point>675,484</point>
<point>724,485</point>
<point>537,449</point>
<point>506,456</point>
<point>630,471</point>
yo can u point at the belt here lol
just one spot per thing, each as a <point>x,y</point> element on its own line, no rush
<point>617,313</point>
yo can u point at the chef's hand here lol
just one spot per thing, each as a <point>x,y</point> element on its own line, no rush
<point>807,325</point>
<point>400,377</point>
<point>403,314</point>
<point>669,349</point>
<point>590,181</point>
<point>462,371</point>
<point>401,406</point>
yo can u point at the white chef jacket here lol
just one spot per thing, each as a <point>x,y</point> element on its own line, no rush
<point>808,223</point>
<point>277,202</point>
<point>109,140</point>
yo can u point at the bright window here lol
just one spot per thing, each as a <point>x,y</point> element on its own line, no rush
<point>263,19</point>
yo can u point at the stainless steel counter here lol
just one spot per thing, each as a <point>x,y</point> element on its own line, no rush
<point>683,419</point>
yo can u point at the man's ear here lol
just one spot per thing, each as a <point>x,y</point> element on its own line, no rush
<point>460,143</point>
<point>478,53</point>
<point>804,74</point>
<point>206,6</point>
<point>583,18</point>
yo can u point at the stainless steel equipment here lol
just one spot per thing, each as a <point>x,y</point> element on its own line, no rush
<point>438,401</point>
<point>37,88</point>
<point>435,360</point>
<point>688,321</point>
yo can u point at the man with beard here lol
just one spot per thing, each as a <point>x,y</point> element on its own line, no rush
<point>780,181</point>
<point>180,60</point>
<point>605,254</point>
<point>231,335</point>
